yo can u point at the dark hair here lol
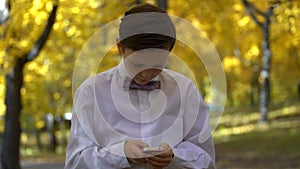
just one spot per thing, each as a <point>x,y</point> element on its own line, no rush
<point>147,26</point>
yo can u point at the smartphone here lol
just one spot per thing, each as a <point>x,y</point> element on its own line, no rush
<point>152,149</point>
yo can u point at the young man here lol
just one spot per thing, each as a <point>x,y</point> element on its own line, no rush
<point>139,104</point>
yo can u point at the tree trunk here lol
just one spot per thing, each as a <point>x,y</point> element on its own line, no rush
<point>162,4</point>
<point>37,138</point>
<point>53,140</point>
<point>264,97</point>
<point>266,67</point>
<point>12,132</point>
<point>138,2</point>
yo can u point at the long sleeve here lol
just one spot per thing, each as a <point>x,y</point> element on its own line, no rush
<point>84,149</point>
<point>84,153</point>
<point>197,149</point>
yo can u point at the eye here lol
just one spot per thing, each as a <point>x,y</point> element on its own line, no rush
<point>158,66</point>
<point>138,64</point>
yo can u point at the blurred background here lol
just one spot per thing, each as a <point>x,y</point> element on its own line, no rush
<point>257,42</point>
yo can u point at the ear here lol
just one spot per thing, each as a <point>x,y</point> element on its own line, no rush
<point>120,46</point>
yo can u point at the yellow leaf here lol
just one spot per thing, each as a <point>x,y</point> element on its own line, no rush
<point>56,95</point>
<point>49,6</point>
<point>40,124</point>
<point>230,63</point>
<point>75,10</point>
<point>31,65</point>
<point>252,53</point>
<point>244,21</point>
<point>24,43</point>
<point>237,7</point>
<point>41,17</point>
<point>67,83</point>
<point>71,31</point>
<point>28,78</point>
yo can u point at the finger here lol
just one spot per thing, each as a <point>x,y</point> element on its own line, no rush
<point>157,164</point>
<point>138,160</point>
<point>161,159</point>
<point>133,149</point>
<point>141,160</point>
<point>165,145</point>
<point>140,143</point>
<point>165,154</point>
<point>137,152</point>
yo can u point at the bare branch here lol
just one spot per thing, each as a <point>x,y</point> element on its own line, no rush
<point>258,11</point>
<point>162,4</point>
<point>250,10</point>
<point>42,39</point>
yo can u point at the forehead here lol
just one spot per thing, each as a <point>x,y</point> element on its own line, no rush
<point>148,56</point>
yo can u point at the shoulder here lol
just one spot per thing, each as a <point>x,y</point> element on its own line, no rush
<point>168,74</point>
<point>100,78</point>
<point>174,79</point>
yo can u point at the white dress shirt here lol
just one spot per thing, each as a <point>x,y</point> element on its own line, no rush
<point>105,116</point>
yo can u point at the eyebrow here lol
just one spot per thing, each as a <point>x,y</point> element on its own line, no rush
<point>158,65</point>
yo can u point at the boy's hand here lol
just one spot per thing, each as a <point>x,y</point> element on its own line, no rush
<point>163,159</point>
<point>133,151</point>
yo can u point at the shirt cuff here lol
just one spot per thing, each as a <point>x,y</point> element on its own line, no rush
<point>117,155</point>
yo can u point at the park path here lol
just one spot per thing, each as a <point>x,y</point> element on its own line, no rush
<point>42,164</point>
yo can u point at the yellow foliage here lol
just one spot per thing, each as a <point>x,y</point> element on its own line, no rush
<point>56,95</point>
<point>231,63</point>
<point>238,7</point>
<point>252,53</point>
<point>244,21</point>
<point>37,4</point>
<point>41,17</point>
<point>49,6</point>
<point>67,83</point>
<point>49,77</point>
<point>32,65</point>
<point>39,124</point>
<point>28,78</point>
<point>2,95</point>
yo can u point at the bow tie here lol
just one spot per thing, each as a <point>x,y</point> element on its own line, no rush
<point>131,84</point>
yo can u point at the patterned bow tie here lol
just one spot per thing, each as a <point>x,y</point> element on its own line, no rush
<point>131,84</point>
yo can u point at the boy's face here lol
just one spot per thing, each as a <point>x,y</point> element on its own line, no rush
<point>146,64</point>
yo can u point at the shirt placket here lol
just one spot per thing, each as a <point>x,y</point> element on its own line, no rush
<point>144,105</point>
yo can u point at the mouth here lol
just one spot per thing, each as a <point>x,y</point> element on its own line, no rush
<point>142,81</point>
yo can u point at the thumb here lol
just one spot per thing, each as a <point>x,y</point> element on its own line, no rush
<point>165,145</point>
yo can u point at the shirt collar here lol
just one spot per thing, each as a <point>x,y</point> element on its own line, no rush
<point>122,69</point>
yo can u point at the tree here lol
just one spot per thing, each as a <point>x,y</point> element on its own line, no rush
<point>14,82</point>
<point>267,54</point>
<point>162,4</point>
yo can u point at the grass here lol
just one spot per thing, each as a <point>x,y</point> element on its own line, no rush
<point>243,143</point>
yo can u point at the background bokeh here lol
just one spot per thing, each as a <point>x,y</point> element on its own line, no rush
<point>234,28</point>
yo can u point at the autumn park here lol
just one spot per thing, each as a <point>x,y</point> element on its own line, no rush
<point>256,43</point>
